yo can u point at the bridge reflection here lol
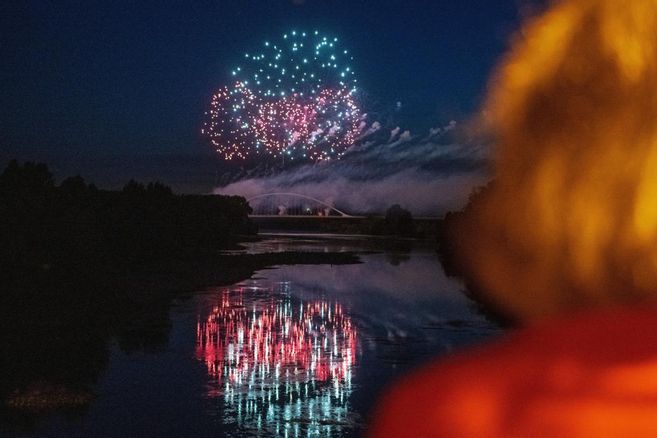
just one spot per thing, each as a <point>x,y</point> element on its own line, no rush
<point>282,366</point>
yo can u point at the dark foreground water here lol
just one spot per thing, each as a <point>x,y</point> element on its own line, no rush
<point>295,351</point>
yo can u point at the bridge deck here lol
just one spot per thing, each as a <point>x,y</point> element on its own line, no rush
<point>302,216</point>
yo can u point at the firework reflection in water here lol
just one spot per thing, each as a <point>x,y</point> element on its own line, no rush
<point>279,363</point>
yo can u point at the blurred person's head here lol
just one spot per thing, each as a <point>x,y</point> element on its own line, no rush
<point>571,221</point>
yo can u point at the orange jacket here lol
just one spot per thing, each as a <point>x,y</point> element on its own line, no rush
<point>588,375</point>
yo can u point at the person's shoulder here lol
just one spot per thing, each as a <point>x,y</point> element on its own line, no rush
<point>457,395</point>
<point>526,377</point>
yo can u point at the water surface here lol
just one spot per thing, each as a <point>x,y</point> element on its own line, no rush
<point>294,351</point>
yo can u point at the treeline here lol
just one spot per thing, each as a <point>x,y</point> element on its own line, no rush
<point>44,225</point>
<point>397,222</point>
<point>455,266</point>
<point>448,231</point>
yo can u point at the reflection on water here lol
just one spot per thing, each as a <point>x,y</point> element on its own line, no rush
<point>281,364</point>
<point>300,350</point>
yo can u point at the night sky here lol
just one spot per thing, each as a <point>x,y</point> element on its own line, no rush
<point>88,79</point>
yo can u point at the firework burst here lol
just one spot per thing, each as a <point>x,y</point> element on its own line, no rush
<point>293,99</point>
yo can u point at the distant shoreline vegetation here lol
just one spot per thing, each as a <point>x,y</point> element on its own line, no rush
<point>449,235</point>
<point>45,225</point>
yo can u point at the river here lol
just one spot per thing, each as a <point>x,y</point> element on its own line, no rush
<point>293,351</point>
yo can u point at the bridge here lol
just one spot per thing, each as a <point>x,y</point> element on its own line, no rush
<point>295,212</point>
<point>294,205</point>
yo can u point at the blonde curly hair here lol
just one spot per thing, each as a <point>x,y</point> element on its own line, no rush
<point>571,221</point>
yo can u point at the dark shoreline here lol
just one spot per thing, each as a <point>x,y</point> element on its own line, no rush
<point>176,276</point>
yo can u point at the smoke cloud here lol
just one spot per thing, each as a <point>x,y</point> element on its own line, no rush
<point>427,176</point>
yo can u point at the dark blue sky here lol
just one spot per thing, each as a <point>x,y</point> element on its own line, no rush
<point>116,77</point>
